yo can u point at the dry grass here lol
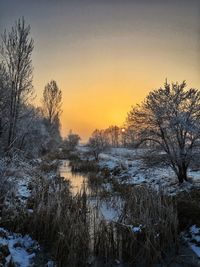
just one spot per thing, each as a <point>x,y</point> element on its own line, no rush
<point>60,221</point>
<point>188,207</point>
<point>72,231</point>
<point>157,218</point>
<point>48,166</point>
<point>84,166</point>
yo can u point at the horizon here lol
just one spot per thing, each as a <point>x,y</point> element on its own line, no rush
<point>107,55</point>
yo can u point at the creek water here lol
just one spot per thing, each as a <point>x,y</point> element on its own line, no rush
<point>77,180</point>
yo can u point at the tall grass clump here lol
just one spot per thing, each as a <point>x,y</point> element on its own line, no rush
<point>145,231</point>
<point>84,166</point>
<point>60,221</point>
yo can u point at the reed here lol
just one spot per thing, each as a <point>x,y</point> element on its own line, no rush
<point>84,166</point>
<point>145,231</point>
<point>60,221</point>
<point>73,230</point>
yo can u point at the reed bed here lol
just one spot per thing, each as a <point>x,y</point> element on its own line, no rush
<point>60,221</point>
<point>84,166</point>
<point>74,231</point>
<point>145,231</point>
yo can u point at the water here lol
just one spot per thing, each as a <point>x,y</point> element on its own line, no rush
<point>77,180</point>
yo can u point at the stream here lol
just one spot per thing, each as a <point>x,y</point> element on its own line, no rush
<point>77,180</point>
<point>100,208</point>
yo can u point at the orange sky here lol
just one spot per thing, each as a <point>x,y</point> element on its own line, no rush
<point>107,55</point>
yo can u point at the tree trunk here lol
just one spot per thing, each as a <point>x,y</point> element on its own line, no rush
<point>182,174</point>
<point>96,155</point>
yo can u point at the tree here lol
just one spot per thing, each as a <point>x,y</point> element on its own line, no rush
<point>51,107</point>
<point>98,143</point>
<point>35,137</point>
<point>16,51</point>
<point>52,97</point>
<point>113,133</point>
<point>71,141</point>
<point>4,90</point>
<point>170,117</point>
<point>128,137</point>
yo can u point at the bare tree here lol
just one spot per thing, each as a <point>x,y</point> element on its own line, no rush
<point>98,143</point>
<point>4,92</point>
<point>113,133</point>
<point>170,117</point>
<point>52,97</point>
<point>71,141</point>
<point>51,108</point>
<point>15,51</point>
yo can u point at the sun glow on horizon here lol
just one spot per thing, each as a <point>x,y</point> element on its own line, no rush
<point>107,55</point>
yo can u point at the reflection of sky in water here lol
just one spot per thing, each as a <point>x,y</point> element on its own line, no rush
<point>105,209</point>
<point>76,180</point>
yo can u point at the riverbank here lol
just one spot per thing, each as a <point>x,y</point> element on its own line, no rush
<point>92,229</point>
<point>19,176</point>
<point>124,168</point>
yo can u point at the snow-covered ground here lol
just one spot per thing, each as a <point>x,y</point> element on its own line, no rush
<point>127,166</point>
<point>17,249</point>
<point>192,237</point>
<point>17,173</point>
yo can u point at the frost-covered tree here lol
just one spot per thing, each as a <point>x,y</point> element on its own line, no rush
<point>170,117</point>
<point>15,55</point>
<point>4,94</point>
<point>34,139</point>
<point>98,143</point>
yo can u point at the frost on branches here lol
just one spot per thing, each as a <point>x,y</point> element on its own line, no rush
<point>170,118</point>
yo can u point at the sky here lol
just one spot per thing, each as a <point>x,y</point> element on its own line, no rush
<point>106,55</point>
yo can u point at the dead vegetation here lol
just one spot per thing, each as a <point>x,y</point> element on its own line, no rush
<point>146,229</point>
<point>188,208</point>
<point>84,166</point>
<point>73,232</point>
<point>60,221</point>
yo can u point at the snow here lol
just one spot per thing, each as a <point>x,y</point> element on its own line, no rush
<point>108,212</point>
<point>50,264</point>
<point>137,229</point>
<point>131,170</point>
<point>193,239</point>
<point>20,247</point>
<point>82,148</point>
<point>196,250</point>
<point>195,230</point>
<point>23,191</point>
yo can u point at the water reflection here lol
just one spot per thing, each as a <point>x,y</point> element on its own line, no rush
<point>77,181</point>
<point>104,208</point>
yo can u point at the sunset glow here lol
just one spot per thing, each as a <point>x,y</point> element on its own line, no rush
<point>107,55</point>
